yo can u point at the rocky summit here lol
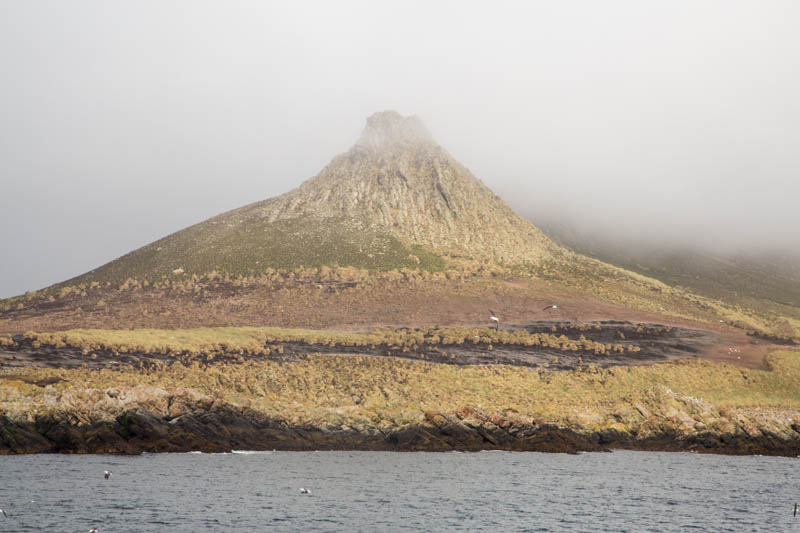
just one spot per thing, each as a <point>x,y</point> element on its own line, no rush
<point>395,199</point>
<point>397,179</point>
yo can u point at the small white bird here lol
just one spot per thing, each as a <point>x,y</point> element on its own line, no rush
<point>107,473</point>
<point>305,491</point>
<point>554,306</point>
<point>93,530</point>
<point>5,514</point>
<point>494,319</point>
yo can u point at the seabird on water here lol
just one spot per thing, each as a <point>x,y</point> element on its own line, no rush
<point>305,491</point>
<point>93,530</point>
<point>494,319</point>
<point>3,511</point>
<point>554,306</point>
<point>107,473</point>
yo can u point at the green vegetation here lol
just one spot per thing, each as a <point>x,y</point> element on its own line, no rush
<point>235,247</point>
<point>636,291</point>
<point>759,285</point>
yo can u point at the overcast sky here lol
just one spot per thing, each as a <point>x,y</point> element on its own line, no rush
<point>122,122</point>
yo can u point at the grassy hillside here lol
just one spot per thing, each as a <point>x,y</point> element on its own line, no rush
<point>395,200</point>
<point>385,391</point>
<point>323,297</point>
<point>395,231</point>
<point>767,285</point>
<point>245,249</point>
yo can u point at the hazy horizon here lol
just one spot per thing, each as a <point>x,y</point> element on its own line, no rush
<point>123,123</point>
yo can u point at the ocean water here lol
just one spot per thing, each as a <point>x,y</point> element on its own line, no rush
<point>388,491</point>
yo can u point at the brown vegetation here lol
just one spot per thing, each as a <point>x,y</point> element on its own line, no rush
<point>322,402</point>
<point>344,297</point>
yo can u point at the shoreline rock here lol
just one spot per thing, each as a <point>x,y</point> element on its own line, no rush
<point>133,420</point>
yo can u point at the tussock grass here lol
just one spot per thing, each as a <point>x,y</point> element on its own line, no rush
<point>258,340</point>
<point>385,391</point>
<point>217,297</point>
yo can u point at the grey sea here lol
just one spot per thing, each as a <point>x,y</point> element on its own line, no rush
<point>386,491</point>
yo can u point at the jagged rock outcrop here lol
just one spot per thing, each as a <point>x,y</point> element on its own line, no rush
<point>398,179</point>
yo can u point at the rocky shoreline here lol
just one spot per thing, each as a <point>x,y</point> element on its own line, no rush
<point>133,420</point>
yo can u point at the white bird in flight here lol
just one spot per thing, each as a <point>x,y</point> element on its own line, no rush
<point>494,319</point>
<point>107,473</point>
<point>3,511</point>
<point>305,491</point>
<point>554,306</point>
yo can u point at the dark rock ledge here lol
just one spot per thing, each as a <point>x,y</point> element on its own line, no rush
<point>146,419</point>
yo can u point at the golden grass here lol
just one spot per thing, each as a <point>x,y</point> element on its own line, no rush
<point>386,391</point>
<point>198,341</point>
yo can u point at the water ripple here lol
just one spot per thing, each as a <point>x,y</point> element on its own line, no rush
<point>367,491</point>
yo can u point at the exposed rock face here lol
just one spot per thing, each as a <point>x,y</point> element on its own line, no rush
<point>136,419</point>
<point>391,131</point>
<point>398,179</point>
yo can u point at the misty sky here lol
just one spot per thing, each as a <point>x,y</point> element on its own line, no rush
<point>122,122</point>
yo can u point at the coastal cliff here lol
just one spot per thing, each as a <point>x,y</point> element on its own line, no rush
<point>132,420</point>
<point>439,389</point>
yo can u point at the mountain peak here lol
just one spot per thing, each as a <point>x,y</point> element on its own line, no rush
<point>388,129</point>
<point>396,199</point>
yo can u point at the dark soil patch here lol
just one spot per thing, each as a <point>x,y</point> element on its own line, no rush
<point>773,339</point>
<point>656,343</point>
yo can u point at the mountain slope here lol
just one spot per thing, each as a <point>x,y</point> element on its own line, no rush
<point>764,282</point>
<point>396,199</point>
<point>429,242</point>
